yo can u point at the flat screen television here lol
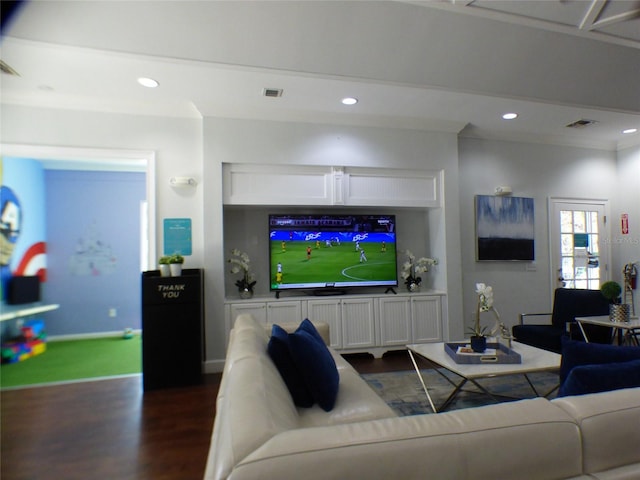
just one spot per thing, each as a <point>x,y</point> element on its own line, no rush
<point>329,253</point>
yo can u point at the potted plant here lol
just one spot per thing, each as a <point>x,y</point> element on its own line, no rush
<point>163,265</point>
<point>484,304</point>
<point>175,264</point>
<point>412,268</point>
<point>618,312</point>
<point>240,263</point>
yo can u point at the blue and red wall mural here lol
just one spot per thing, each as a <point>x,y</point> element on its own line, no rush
<point>22,220</point>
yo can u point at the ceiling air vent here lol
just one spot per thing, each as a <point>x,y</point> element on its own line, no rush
<point>581,123</point>
<point>272,92</point>
<point>4,68</point>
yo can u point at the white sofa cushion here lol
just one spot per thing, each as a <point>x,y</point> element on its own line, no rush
<point>603,424</point>
<point>530,439</point>
<point>356,402</point>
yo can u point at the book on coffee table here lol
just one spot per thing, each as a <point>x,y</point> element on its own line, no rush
<point>494,353</point>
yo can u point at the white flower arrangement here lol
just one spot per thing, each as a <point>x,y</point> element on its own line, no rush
<point>412,268</point>
<point>485,304</point>
<point>240,263</point>
<point>485,296</point>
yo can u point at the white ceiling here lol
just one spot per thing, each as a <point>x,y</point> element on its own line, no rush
<point>437,65</point>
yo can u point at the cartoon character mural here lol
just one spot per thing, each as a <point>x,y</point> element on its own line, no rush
<point>22,220</point>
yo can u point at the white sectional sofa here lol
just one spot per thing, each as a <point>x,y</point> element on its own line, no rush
<point>260,434</point>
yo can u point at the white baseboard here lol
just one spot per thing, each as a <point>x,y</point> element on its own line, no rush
<point>86,336</point>
<point>213,366</point>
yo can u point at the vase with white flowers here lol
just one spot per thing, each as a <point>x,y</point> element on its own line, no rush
<point>484,304</point>
<point>240,263</point>
<point>413,268</point>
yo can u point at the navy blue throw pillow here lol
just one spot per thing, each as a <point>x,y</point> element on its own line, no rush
<point>278,349</point>
<point>601,378</point>
<point>576,353</point>
<point>318,368</point>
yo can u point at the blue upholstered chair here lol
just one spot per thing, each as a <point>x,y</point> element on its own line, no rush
<point>591,368</point>
<point>568,303</point>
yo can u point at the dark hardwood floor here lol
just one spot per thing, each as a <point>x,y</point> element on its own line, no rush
<point>110,429</point>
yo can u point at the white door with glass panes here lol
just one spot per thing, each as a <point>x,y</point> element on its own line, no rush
<point>579,256</point>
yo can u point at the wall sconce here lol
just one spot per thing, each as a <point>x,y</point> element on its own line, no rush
<point>182,182</point>
<point>503,190</point>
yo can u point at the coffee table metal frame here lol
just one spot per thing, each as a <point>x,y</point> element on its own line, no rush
<point>533,360</point>
<point>626,332</point>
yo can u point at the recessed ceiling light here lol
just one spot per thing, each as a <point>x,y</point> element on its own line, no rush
<point>510,116</point>
<point>349,101</point>
<point>148,82</point>
<point>630,130</point>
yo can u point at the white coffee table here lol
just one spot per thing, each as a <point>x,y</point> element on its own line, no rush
<point>627,332</point>
<point>533,360</point>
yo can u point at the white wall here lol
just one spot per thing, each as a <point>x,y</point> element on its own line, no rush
<point>532,170</point>
<point>281,143</point>
<point>177,143</point>
<point>626,248</point>
<point>198,148</point>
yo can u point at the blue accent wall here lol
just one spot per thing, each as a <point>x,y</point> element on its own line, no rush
<point>93,239</point>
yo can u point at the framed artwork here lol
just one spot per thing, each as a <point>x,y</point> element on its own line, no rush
<point>504,228</point>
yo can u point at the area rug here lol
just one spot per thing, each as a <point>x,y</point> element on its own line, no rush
<point>403,392</point>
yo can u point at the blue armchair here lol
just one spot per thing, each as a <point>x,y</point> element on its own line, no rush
<point>568,304</point>
<point>589,368</point>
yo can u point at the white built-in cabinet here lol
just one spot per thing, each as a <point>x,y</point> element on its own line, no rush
<point>250,184</point>
<point>357,323</point>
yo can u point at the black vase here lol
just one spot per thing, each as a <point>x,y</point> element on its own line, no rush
<point>478,344</point>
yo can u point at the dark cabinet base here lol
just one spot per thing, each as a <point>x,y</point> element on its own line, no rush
<point>172,318</point>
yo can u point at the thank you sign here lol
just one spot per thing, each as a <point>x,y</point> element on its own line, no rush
<point>166,290</point>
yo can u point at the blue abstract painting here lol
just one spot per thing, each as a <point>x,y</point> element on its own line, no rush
<point>504,228</point>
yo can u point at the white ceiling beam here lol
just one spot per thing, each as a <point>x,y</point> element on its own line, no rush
<point>592,14</point>
<point>621,17</point>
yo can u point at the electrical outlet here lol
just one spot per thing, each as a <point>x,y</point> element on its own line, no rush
<point>113,312</point>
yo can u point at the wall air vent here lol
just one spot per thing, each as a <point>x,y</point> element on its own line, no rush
<point>5,68</point>
<point>581,123</point>
<point>272,92</point>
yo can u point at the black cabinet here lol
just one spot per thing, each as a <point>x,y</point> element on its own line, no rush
<point>172,319</point>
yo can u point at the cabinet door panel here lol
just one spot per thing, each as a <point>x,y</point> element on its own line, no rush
<point>358,323</point>
<point>409,188</point>
<point>427,319</point>
<point>395,321</point>
<point>258,310</point>
<point>328,311</point>
<point>284,312</point>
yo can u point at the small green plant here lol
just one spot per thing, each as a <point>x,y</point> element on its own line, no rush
<point>611,290</point>
<point>176,258</point>
<point>165,260</point>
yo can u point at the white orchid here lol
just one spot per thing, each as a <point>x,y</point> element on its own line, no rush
<point>484,304</point>
<point>412,268</point>
<point>485,296</point>
<point>240,263</point>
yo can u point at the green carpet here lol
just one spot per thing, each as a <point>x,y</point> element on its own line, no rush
<point>70,360</point>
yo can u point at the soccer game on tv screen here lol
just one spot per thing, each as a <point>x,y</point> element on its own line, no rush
<point>332,251</point>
